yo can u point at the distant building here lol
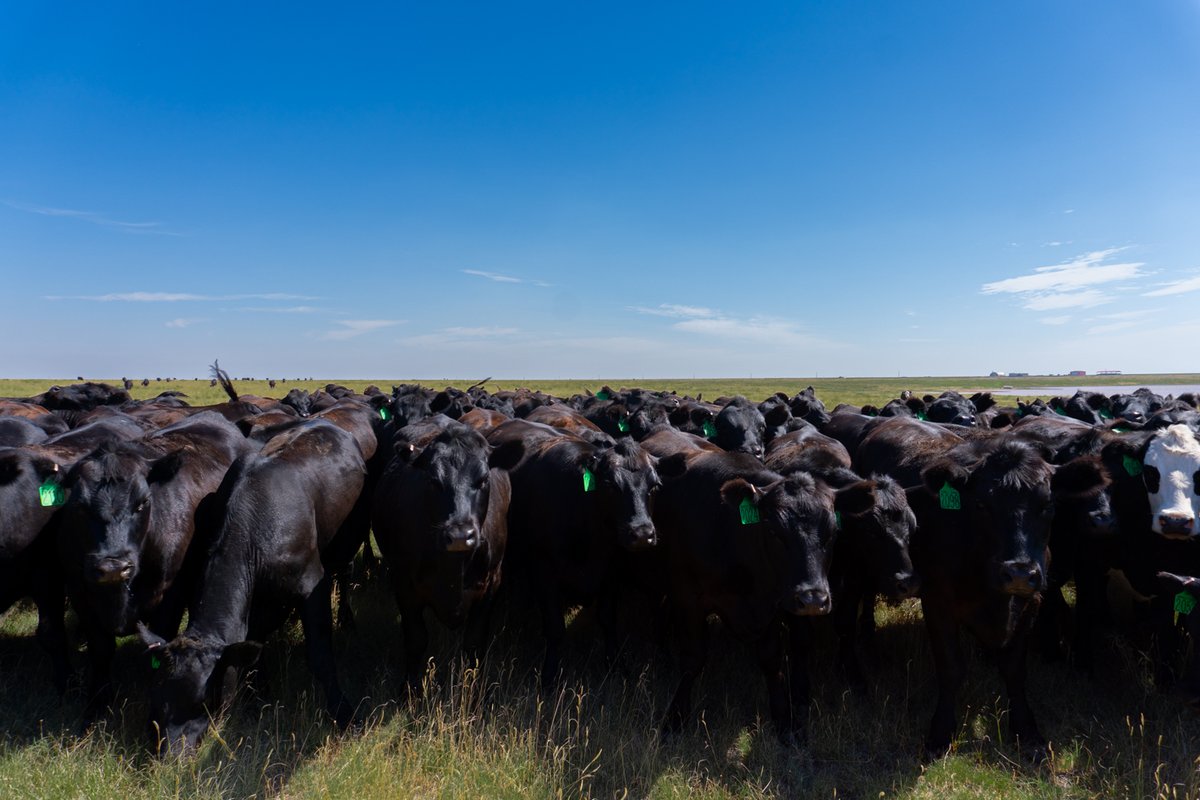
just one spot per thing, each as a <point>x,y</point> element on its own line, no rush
<point>1018,374</point>
<point>994,374</point>
<point>1077,373</point>
<point>1108,372</point>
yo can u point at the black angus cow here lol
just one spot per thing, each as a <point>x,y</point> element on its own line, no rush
<point>18,431</point>
<point>953,408</point>
<point>740,428</point>
<point>872,552</point>
<point>574,507</point>
<point>125,535</point>
<point>31,494</point>
<point>984,510</point>
<point>278,547</point>
<point>440,517</point>
<point>753,547</point>
<point>1182,594</point>
<point>807,406</point>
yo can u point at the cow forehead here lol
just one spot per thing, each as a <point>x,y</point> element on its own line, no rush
<point>1174,449</point>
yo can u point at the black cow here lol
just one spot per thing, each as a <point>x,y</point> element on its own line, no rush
<point>951,407</point>
<point>278,548</point>
<point>574,507</point>
<point>984,512</point>
<point>125,534</point>
<point>872,551</point>
<point>740,428</point>
<point>753,547</point>
<point>807,406</point>
<point>440,518</point>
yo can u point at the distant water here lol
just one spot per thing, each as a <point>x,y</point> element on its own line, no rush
<point>1067,391</point>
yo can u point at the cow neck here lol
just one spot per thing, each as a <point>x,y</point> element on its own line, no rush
<point>224,608</point>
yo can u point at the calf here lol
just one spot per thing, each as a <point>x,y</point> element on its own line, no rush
<point>440,518</point>
<point>279,544</point>
<point>753,547</point>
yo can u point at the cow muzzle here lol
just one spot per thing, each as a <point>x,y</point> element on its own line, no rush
<point>1021,578</point>
<point>904,586</point>
<point>462,540</point>
<point>1176,526</point>
<point>809,601</point>
<point>640,537</point>
<point>105,571</point>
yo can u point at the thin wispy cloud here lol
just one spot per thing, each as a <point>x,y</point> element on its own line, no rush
<point>95,219</point>
<point>1058,320</point>
<point>181,322</point>
<point>1175,287</point>
<point>458,335</point>
<point>1070,284</point>
<point>358,327</point>
<point>1121,320</point>
<point>711,322</point>
<point>281,309</point>
<point>175,297</point>
<point>500,278</point>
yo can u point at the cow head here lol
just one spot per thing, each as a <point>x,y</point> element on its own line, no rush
<point>885,529</point>
<point>188,685</point>
<point>808,407</point>
<point>1184,591</point>
<point>1171,471</point>
<point>796,520</point>
<point>740,428</point>
<point>622,480</point>
<point>107,519</point>
<point>452,476</point>
<point>953,408</point>
<point>1004,501</point>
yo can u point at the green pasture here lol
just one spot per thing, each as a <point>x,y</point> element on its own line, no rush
<point>488,732</point>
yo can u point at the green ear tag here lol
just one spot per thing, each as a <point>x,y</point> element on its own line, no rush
<point>1132,466</point>
<point>710,430</point>
<point>155,662</point>
<point>602,395</point>
<point>949,497</point>
<point>1105,414</point>
<point>922,416</point>
<point>1060,412</point>
<point>837,520</point>
<point>1184,603</point>
<point>1119,429</point>
<point>623,425</point>
<point>384,414</point>
<point>748,512</point>
<point>51,494</point>
<point>589,481</point>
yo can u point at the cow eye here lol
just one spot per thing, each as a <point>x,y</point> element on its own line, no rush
<point>141,506</point>
<point>1151,476</point>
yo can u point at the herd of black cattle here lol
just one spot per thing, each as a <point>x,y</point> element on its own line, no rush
<point>246,512</point>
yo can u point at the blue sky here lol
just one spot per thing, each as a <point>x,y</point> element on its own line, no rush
<point>536,190</point>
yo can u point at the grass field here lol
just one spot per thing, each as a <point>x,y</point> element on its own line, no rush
<point>490,733</point>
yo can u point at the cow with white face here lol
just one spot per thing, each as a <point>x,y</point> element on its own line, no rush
<point>1171,470</point>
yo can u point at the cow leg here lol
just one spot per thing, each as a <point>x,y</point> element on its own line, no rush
<point>1020,715</point>
<point>948,664</point>
<point>1048,627</point>
<point>477,632</point>
<point>416,644</point>
<point>52,631</point>
<point>316,617</point>
<point>1091,604</point>
<point>799,644</point>
<point>693,652</point>
<point>845,621</point>
<point>345,616</point>
<point>607,612</point>
<point>102,646</point>
<point>554,628</point>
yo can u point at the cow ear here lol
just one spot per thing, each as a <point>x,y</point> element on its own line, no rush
<point>46,467</point>
<point>736,491</point>
<point>406,451</point>
<point>777,415</point>
<point>166,468</point>
<point>239,655</point>
<point>869,411</point>
<point>10,468</point>
<point>855,499</point>
<point>927,399</point>
<point>940,473</point>
<point>673,466</point>
<point>149,638</point>
<point>507,455</point>
<point>1079,476</point>
<point>699,416</point>
<point>915,404</point>
<point>440,402</point>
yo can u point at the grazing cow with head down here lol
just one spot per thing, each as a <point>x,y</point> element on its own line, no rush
<point>278,547</point>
